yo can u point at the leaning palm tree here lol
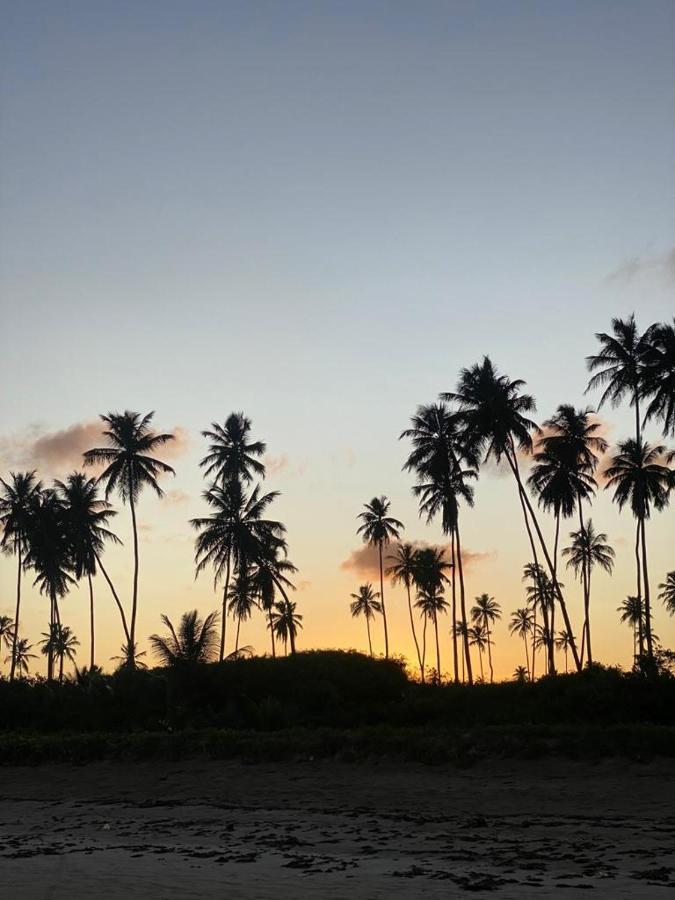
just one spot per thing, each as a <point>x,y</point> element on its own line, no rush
<point>20,655</point>
<point>588,549</point>
<point>521,624</point>
<point>129,467</point>
<point>632,612</point>
<point>562,642</point>
<point>365,603</point>
<point>286,622</point>
<point>194,641</point>
<point>378,528</point>
<point>478,638</point>
<point>232,455</point>
<point>667,592</point>
<point>495,413</point>
<point>658,385</point>
<point>484,614</point>
<point>59,644</point>
<point>236,534</point>
<point>402,570</point>
<point>430,601</point>
<point>641,481</point>
<point>17,497</point>
<point>87,517</point>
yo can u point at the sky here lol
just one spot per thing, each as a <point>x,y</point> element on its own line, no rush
<point>318,212</point>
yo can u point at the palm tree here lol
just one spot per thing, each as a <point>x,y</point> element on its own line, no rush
<point>194,641</point>
<point>542,637</point>
<point>402,570</point>
<point>632,611</point>
<point>494,412</point>
<point>444,461</point>
<point>232,455</point>
<point>129,468</point>
<point>540,596</point>
<point>478,638</point>
<point>236,534</point>
<point>269,574</point>
<point>241,599</point>
<point>640,481</point>
<point>378,529</point>
<point>59,643</point>
<point>430,601</point>
<point>87,518</point>
<point>484,614</point>
<point>588,549</point>
<point>521,674</point>
<point>365,603</point>
<point>522,625</point>
<point>659,375</point>
<point>17,497</point>
<point>7,632</point>
<point>286,622</point>
<point>667,592</point>
<point>461,629</point>
<point>20,656</point>
<point>562,642</point>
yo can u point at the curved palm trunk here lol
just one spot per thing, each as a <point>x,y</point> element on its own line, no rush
<point>115,596</point>
<point>543,599</point>
<point>414,633</point>
<point>17,613</point>
<point>480,659</point>
<point>438,651</point>
<point>454,607</point>
<point>586,578</point>
<point>384,609</point>
<point>134,600</point>
<point>648,612</point>
<point>91,622</point>
<point>462,599</point>
<point>223,624</point>
<point>370,643</point>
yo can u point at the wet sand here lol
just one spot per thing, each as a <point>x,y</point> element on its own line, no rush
<point>196,829</point>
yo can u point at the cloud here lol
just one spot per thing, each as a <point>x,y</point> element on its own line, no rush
<point>304,585</point>
<point>661,264</point>
<point>366,560</point>
<point>175,497</point>
<point>281,465</point>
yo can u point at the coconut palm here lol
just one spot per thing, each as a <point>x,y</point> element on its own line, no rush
<point>667,592</point>
<point>365,603</point>
<point>17,497</point>
<point>232,455</point>
<point>269,575</point>
<point>540,596</point>
<point>236,534</point>
<point>378,528</point>
<point>495,414</point>
<point>478,638</point>
<point>59,644</point>
<point>402,571</point>
<point>286,622</point>
<point>658,384</point>
<point>129,467</point>
<point>461,629</point>
<point>632,611</point>
<point>430,601</point>
<point>588,549</point>
<point>640,481</point>
<point>20,655</point>
<point>484,614</point>
<point>241,599</point>
<point>7,632</point>
<point>87,517</point>
<point>562,642</point>
<point>522,625</point>
<point>520,674</point>
<point>444,461</point>
<point>194,641</point>
<point>542,638</point>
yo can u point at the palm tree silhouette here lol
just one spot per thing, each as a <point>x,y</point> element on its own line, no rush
<point>235,534</point>
<point>86,519</point>
<point>632,611</point>
<point>194,641</point>
<point>17,497</point>
<point>365,603</point>
<point>7,632</point>
<point>403,570</point>
<point>378,529</point>
<point>430,601</point>
<point>494,414</point>
<point>269,574</point>
<point>485,613</point>
<point>462,631</point>
<point>231,454</point>
<point>539,593</point>
<point>640,481</point>
<point>129,468</point>
<point>562,642</point>
<point>20,655</point>
<point>444,461</point>
<point>522,625</point>
<point>241,599</point>
<point>478,638</point>
<point>659,375</point>
<point>667,592</point>
<point>59,644</point>
<point>588,549</point>
<point>286,622</point>
<point>520,674</point>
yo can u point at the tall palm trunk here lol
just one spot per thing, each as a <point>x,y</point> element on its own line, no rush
<point>645,578</point>
<point>17,612</point>
<point>586,579</point>
<point>438,650</point>
<point>274,649</point>
<point>527,657</point>
<point>480,659</point>
<point>91,621</point>
<point>462,600</point>
<point>134,601</point>
<point>384,609</point>
<point>115,596</point>
<point>291,634</point>
<point>236,640</point>
<point>414,632</point>
<point>454,607</point>
<point>639,587</point>
<point>513,463</point>
<point>534,637</point>
<point>487,631</point>
<point>61,668</point>
<point>223,624</point>
<point>555,572</point>
<point>540,586</point>
<point>370,643</point>
<point>424,645</point>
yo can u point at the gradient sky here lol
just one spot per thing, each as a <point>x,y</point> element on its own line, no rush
<point>317,213</point>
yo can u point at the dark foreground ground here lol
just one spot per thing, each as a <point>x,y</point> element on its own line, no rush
<point>324,829</point>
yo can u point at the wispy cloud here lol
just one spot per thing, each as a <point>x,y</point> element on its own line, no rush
<point>366,561</point>
<point>176,497</point>
<point>282,465</point>
<point>660,264</point>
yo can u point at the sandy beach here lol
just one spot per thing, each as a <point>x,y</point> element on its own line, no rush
<point>326,829</point>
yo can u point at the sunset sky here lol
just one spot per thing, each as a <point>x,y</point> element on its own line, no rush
<point>318,212</point>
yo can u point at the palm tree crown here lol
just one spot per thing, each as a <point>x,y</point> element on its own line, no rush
<point>667,593</point>
<point>232,455</point>
<point>659,376</point>
<point>638,478</point>
<point>194,641</point>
